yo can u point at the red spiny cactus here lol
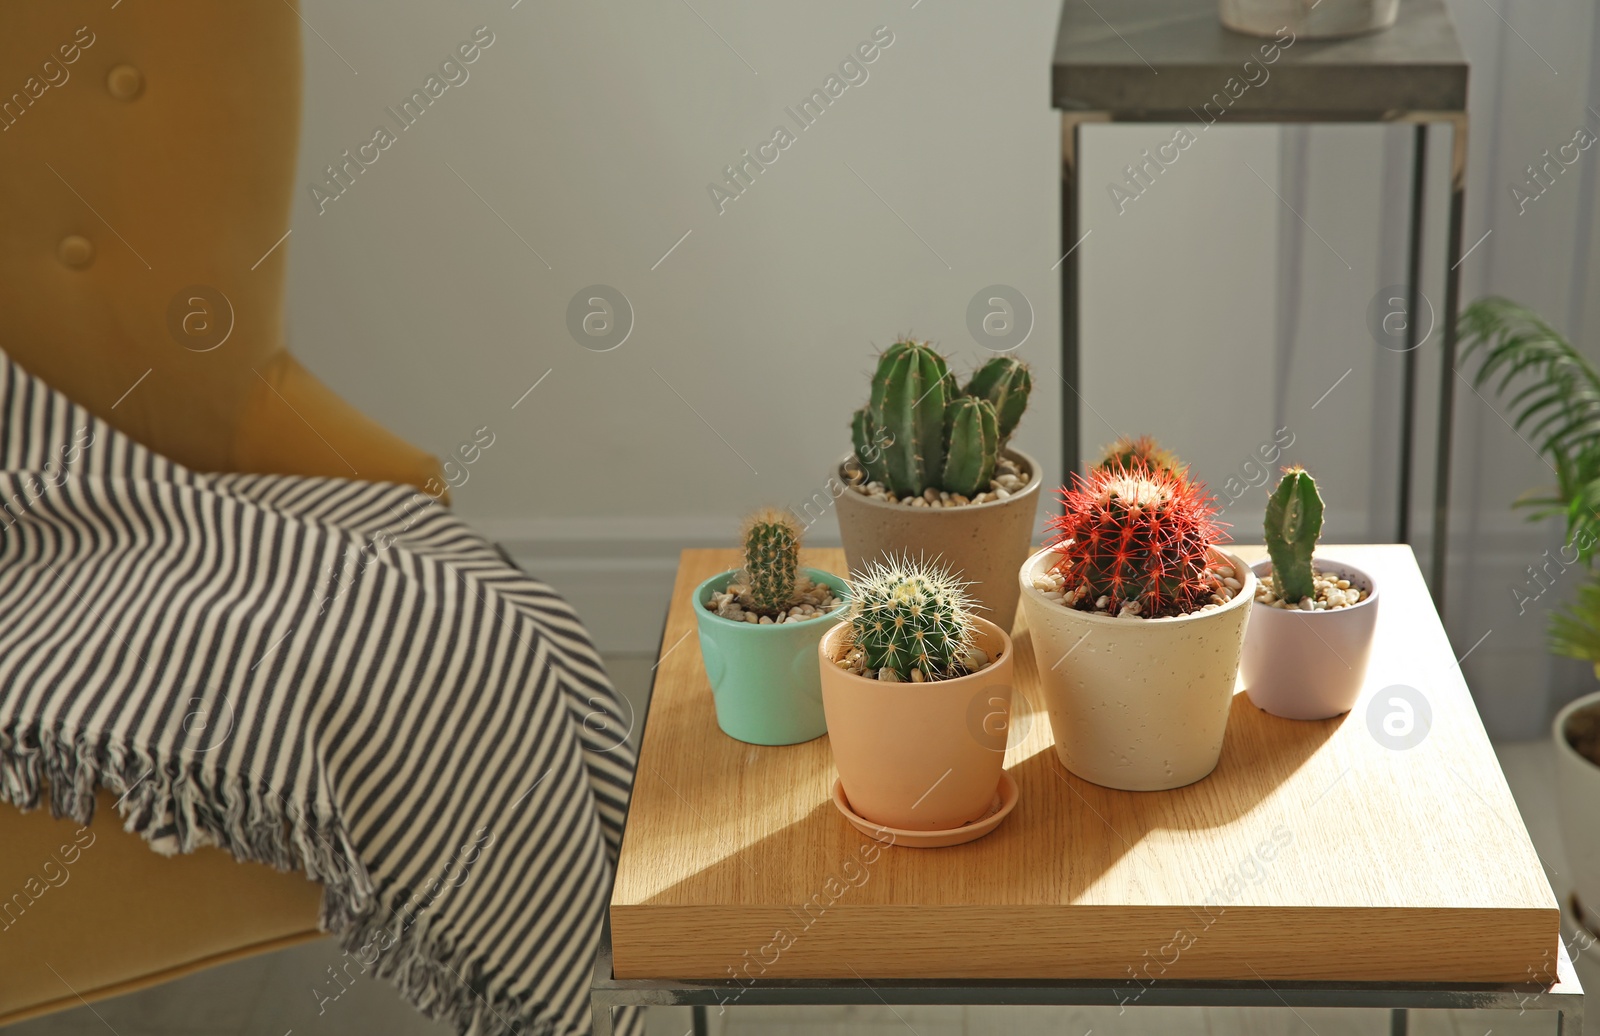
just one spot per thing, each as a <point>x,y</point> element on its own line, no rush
<point>1137,536</point>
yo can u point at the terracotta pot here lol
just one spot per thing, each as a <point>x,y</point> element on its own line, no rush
<point>981,543</point>
<point>764,677</point>
<point>1309,665</point>
<point>1136,704</point>
<point>919,756</point>
<point>1323,20</point>
<point>1578,799</point>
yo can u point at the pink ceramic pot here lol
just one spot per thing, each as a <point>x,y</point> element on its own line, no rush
<point>1309,665</point>
<point>919,756</point>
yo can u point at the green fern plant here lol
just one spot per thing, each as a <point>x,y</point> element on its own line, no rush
<point>1557,411</point>
<point>1575,631</point>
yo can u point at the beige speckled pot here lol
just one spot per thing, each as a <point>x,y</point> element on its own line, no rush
<point>981,543</point>
<point>1137,704</point>
<point>919,756</point>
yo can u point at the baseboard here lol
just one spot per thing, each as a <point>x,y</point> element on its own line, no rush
<point>617,572</point>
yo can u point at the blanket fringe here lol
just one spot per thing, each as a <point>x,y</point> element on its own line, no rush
<point>180,810</point>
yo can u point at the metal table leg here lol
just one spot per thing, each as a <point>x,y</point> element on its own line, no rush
<point>1447,359</point>
<point>1408,359</point>
<point>1071,366</point>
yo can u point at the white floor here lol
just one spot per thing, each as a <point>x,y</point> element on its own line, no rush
<point>273,994</point>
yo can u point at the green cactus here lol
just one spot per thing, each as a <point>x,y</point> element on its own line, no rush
<point>909,394</point>
<point>973,444</point>
<point>771,559</point>
<point>1294,521</point>
<point>864,433</point>
<point>920,431</point>
<point>1005,382</point>
<point>911,616</point>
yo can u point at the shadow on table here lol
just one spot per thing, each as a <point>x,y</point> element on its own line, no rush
<point>1064,838</point>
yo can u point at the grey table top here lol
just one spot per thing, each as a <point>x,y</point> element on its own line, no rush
<point>1146,59</point>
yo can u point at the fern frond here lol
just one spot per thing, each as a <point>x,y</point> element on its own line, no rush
<point>1560,409</point>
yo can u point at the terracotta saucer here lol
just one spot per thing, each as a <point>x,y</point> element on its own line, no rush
<point>1005,800</point>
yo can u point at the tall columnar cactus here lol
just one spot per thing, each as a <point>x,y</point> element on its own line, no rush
<point>771,558</point>
<point>910,392</point>
<point>1137,536</point>
<point>1127,452</point>
<point>903,437</point>
<point>911,616</point>
<point>1005,382</point>
<point>972,435</point>
<point>1294,521</point>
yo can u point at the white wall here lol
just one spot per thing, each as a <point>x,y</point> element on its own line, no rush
<point>1210,318</point>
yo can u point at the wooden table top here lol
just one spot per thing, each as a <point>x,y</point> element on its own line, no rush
<point>1312,852</point>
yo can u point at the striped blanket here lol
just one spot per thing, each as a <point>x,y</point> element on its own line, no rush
<point>320,674</point>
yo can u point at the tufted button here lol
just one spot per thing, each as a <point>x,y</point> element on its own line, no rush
<point>75,251</point>
<point>125,82</point>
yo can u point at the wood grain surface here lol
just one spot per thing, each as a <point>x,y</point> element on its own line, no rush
<point>1315,850</point>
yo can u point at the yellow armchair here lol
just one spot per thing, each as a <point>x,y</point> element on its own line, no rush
<point>147,154</point>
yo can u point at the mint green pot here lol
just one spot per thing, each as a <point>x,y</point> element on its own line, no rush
<point>766,679</point>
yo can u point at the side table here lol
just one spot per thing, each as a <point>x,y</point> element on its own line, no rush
<point>1363,861</point>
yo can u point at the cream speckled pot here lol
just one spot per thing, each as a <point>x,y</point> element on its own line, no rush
<point>981,543</point>
<point>1136,704</point>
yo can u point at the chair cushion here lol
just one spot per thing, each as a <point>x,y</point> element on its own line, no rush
<point>92,912</point>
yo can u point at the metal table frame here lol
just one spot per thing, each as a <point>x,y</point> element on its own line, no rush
<point>1563,997</point>
<point>1072,123</point>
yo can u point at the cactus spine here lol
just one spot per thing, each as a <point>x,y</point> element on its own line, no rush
<point>920,430</point>
<point>771,559</point>
<point>1006,383</point>
<point>1136,536</point>
<point>911,617</point>
<point>1294,521</point>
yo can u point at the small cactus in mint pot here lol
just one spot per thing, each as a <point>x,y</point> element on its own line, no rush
<point>1293,524</point>
<point>920,431</point>
<point>770,587</point>
<point>912,621</point>
<point>771,558</point>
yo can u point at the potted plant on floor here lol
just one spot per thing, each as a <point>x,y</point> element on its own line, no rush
<point>932,474</point>
<point>1137,620</point>
<point>1311,626</point>
<point>1558,408</point>
<point>759,627</point>
<point>917,691</point>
